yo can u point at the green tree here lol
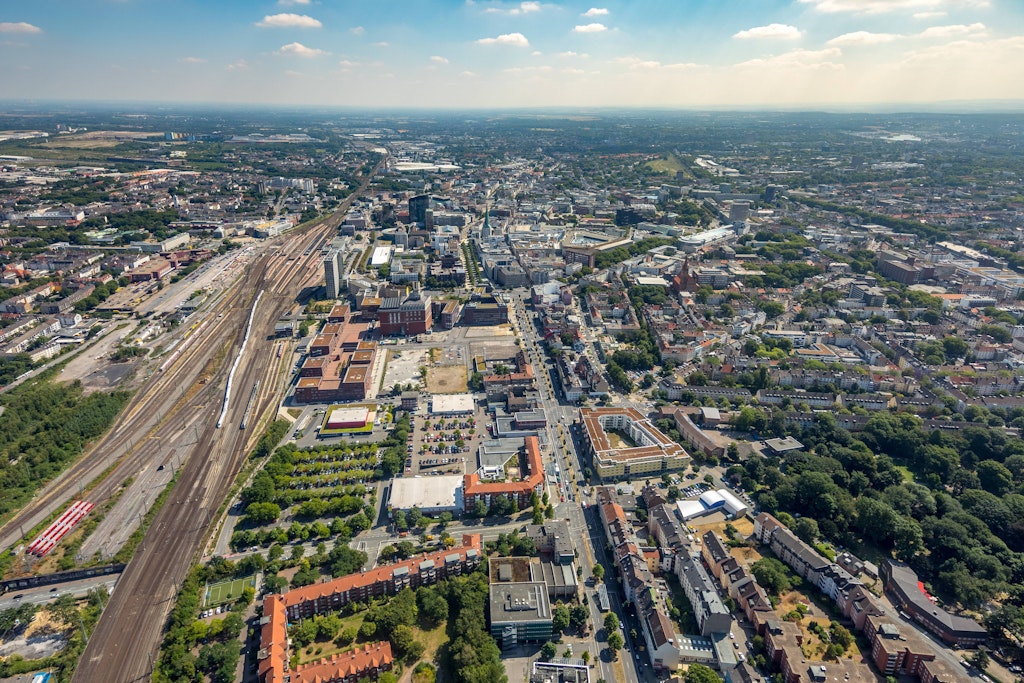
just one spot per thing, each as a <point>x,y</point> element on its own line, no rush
<point>698,673</point>
<point>598,571</point>
<point>615,643</point>
<point>548,651</point>
<point>560,619</point>
<point>611,622</point>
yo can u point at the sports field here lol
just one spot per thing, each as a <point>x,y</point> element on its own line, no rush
<point>226,591</point>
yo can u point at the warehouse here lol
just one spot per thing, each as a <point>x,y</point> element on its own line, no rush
<point>452,404</point>
<point>431,495</point>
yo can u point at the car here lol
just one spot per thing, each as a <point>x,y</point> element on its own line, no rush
<point>53,590</point>
<point>18,597</point>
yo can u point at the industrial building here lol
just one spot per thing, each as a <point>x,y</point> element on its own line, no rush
<point>721,500</point>
<point>520,613</point>
<point>431,495</point>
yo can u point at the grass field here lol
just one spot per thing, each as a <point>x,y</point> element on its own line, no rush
<point>226,591</point>
<point>667,164</point>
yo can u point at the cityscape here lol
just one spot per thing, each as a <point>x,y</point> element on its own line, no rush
<point>514,342</point>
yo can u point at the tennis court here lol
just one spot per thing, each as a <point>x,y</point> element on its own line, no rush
<point>227,591</point>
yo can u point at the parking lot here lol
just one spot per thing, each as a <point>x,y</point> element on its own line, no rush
<point>444,445</point>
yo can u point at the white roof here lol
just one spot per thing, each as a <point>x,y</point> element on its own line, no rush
<point>426,493</point>
<point>348,415</point>
<point>732,503</point>
<point>690,508</point>
<point>381,255</point>
<point>711,498</point>
<point>451,403</point>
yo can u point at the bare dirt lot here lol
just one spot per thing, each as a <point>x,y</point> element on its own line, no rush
<point>447,379</point>
<point>42,638</point>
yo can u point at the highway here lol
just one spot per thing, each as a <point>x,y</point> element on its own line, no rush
<point>126,641</point>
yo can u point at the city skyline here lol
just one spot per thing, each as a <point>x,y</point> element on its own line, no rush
<point>476,54</point>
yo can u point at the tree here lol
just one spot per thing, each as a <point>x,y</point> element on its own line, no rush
<point>480,508</point>
<point>980,659</point>
<point>433,608</point>
<point>560,619</point>
<point>615,643</point>
<point>611,622</point>
<point>538,515</point>
<point>698,673</point>
<point>578,616</point>
<point>548,651</point>
<point>772,575</point>
<point>598,571</point>
<point>549,511</point>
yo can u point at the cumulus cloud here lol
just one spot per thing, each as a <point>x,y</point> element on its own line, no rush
<point>883,6</point>
<point>522,8</point>
<point>467,74</point>
<point>771,31</point>
<point>357,30</point>
<point>348,64</point>
<point>596,12</point>
<point>300,50</point>
<point>238,65</point>
<point>192,60</point>
<point>513,39</point>
<point>529,69</point>
<point>382,43</point>
<point>930,15</point>
<point>954,30</point>
<point>590,28</point>
<point>863,38</point>
<point>437,59</point>
<point>288,20</point>
<point>569,53</point>
<point>289,3</point>
<point>18,27</point>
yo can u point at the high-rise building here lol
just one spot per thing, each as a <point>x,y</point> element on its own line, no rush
<point>332,273</point>
<point>418,206</point>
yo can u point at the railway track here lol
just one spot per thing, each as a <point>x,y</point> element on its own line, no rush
<point>126,640</point>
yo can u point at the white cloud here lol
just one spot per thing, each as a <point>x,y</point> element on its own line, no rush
<point>930,15</point>
<point>570,53</point>
<point>382,43</point>
<point>954,30</point>
<point>863,38</point>
<point>437,59</point>
<point>192,60</point>
<point>595,12</point>
<point>357,30</point>
<point>572,71</point>
<point>528,69</point>
<point>467,74</point>
<point>771,31</point>
<point>882,6</point>
<point>289,3</point>
<point>238,65</point>
<point>523,8</point>
<point>810,59</point>
<point>590,28</point>
<point>288,20</point>
<point>348,63</point>
<point>18,27</point>
<point>536,53</point>
<point>293,74</point>
<point>638,64</point>
<point>514,39</point>
<point>300,50</point>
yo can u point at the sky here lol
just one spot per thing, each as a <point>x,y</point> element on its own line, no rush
<point>788,54</point>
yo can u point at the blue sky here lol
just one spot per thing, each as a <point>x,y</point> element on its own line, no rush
<point>475,53</point>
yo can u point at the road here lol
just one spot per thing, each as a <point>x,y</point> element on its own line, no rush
<point>45,594</point>
<point>564,452</point>
<point>126,641</point>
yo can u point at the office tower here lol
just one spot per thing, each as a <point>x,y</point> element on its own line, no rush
<point>332,273</point>
<point>418,206</point>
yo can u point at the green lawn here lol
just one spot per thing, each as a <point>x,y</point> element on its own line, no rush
<point>227,591</point>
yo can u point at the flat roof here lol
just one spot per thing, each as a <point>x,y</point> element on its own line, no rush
<point>381,255</point>
<point>426,493</point>
<point>452,403</point>
<point>519,602</point>
<point>347,415</point>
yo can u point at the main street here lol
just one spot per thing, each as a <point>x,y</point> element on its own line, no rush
<point>564,453</point>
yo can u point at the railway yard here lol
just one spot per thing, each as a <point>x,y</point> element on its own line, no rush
<point>169,433</point>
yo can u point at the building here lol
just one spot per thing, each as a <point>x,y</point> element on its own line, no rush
<point>422,570</point>
<point>418,207</point>
<point>520,613</point>
<point>802,558</point>
<point>273,664</point>
<point>533,481</point>
<point>902,584</point>
<point>485,310</point>
<point>445,405</point>
<point>650,452</point>
<point>403,318</point>
<point>333,273</point>
<point>560,670</point>
<point>711,615</point>
<point>430,495</point>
